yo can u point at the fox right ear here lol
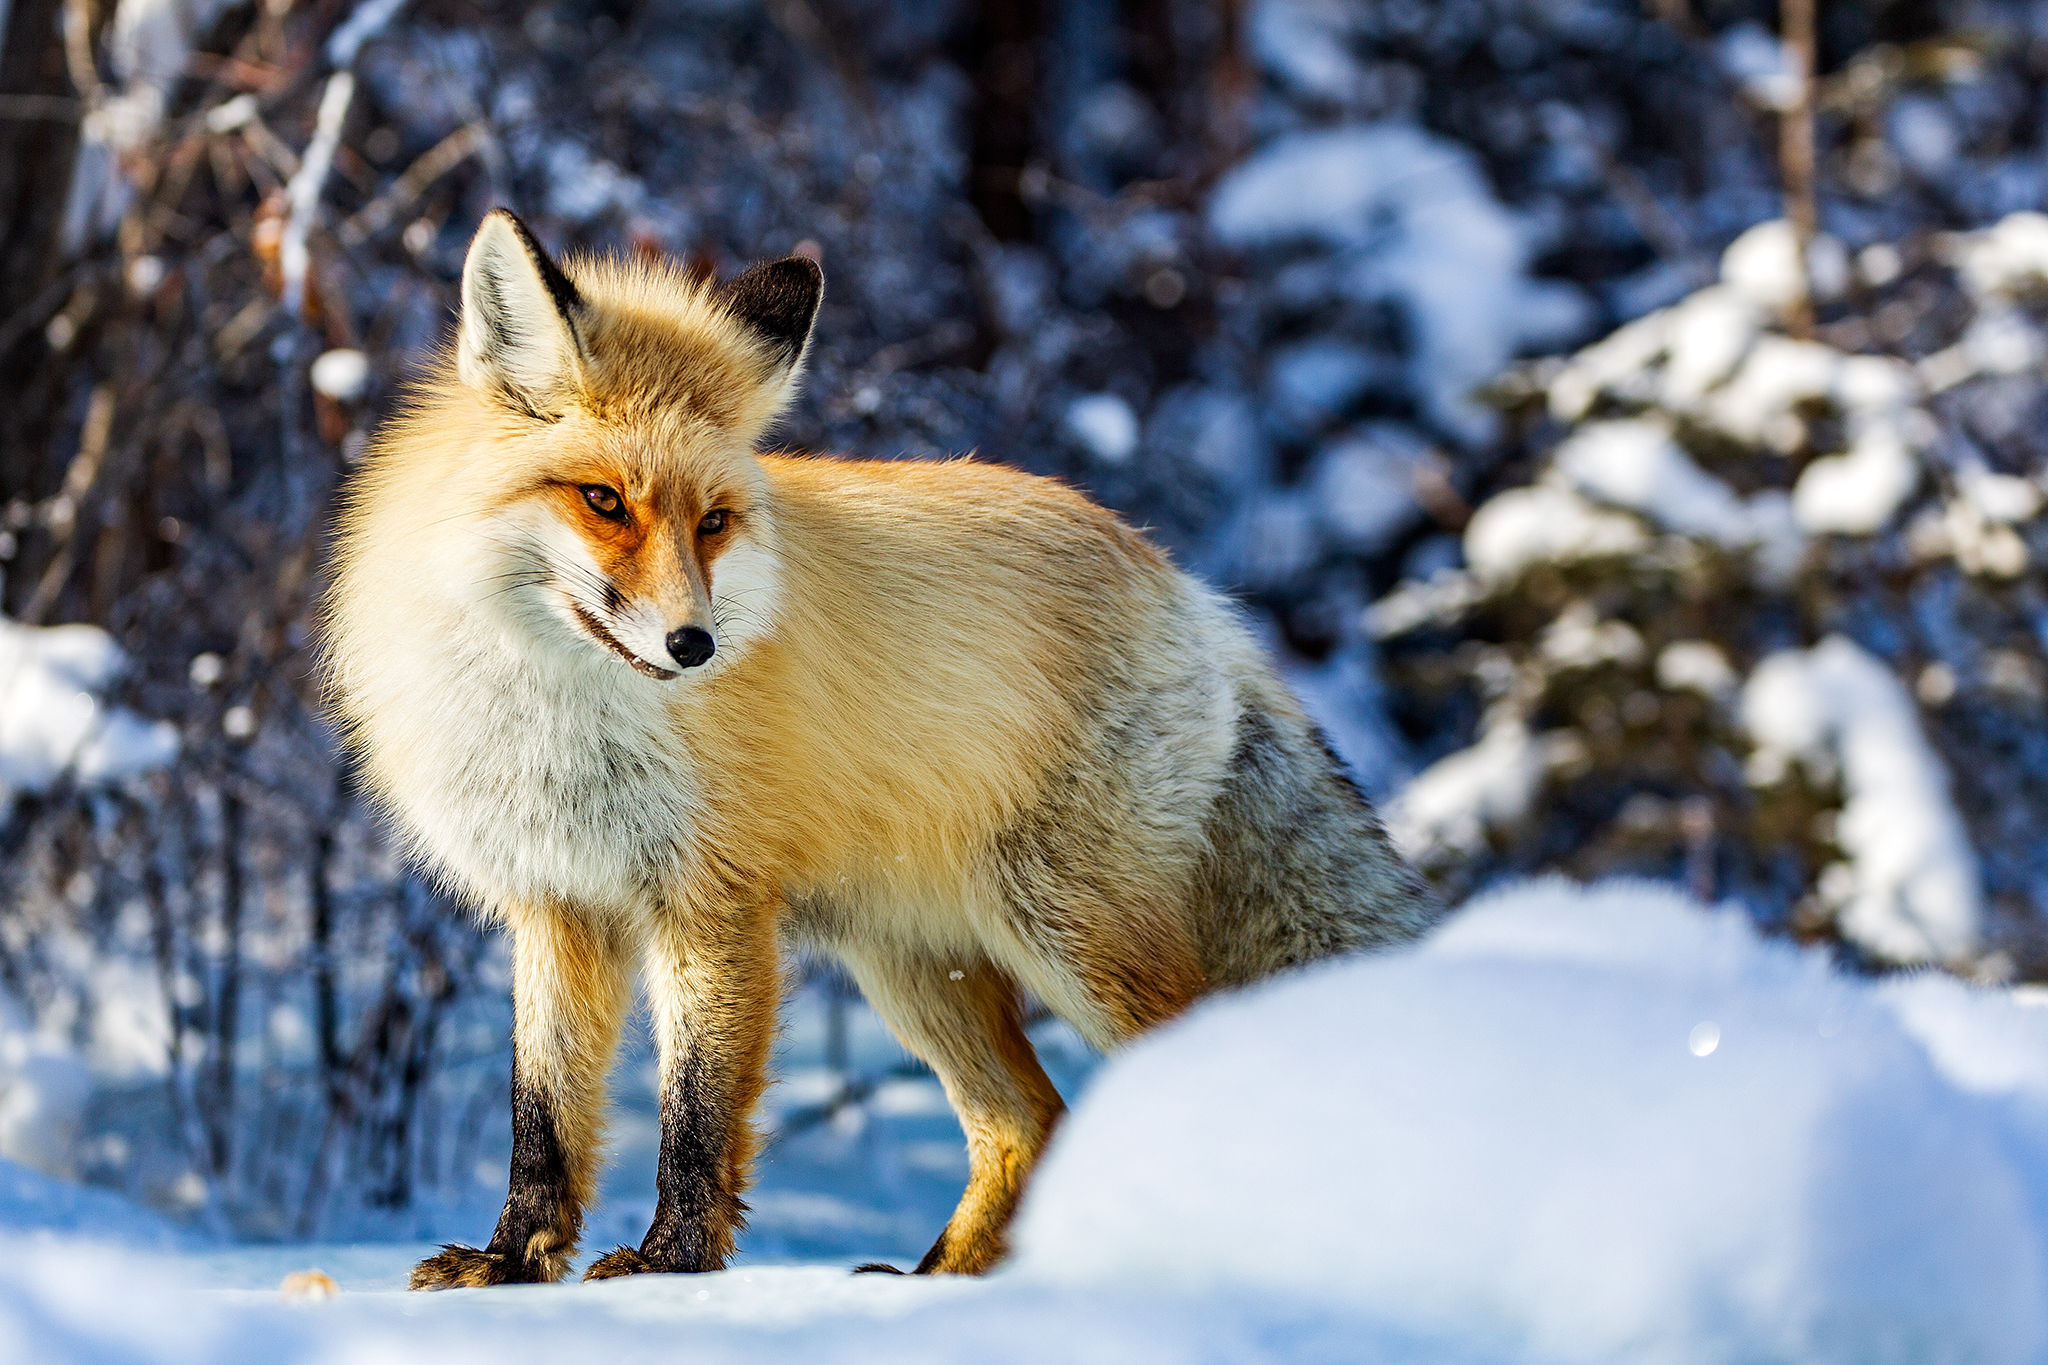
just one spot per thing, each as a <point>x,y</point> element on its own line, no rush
<point>521,338</point>
<point>778,302</point>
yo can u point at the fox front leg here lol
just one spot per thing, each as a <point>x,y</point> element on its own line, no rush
<point>569,996</point>
<point>713,987</point>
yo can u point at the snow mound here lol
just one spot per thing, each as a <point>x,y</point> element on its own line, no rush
<point>1579,1124</point>
<point>34,1203</point>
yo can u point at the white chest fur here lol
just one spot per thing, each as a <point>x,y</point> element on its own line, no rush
<point>529,773</point>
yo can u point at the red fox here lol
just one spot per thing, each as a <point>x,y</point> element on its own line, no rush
<point>652,698</point>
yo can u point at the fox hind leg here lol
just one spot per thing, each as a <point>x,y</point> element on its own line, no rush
<point>569,996</point>
<point>966,1021</point>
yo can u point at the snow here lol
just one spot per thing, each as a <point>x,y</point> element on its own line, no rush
<point>1544,523</point>
<point>2002,341</point>
<point>1924,132</point>
<point>2005,498</point>
<point>365,22</point>
<point>1777,376</point>
<point>2008,258</point>
<point>1637,465</point>
<point>1328,185</point>
<point>54,721</point>
<point>1410,218</point>
<point>1314,381</point>
<point>1858,491</point>
<point>1696,666</point>
<point>342,374</point>
<point>1578,639</point>
<point>32,1203</point>
<point>1762,266</point>
<point>44,1089</point>
<point>1575,1125</point>
<point>1710,332</point>
<point>1303,43</point>
<point>1708,365</point>
<point>1913,889</point>
<point>1105,426</point>
<point>1365,486</point>
<point>1757,62</point>
<point>1446,812</point>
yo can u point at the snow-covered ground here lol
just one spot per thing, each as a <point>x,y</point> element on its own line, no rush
<point>1575,1125</point>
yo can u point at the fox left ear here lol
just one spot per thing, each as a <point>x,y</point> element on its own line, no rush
<point>521,338</point>
<point>778,301</point>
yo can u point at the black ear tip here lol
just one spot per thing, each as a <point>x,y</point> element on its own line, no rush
<point>796,277</point>
<point>778,299</point>
<point>805,266</point>
<point>564,292</point>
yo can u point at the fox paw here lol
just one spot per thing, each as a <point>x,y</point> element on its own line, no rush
<point>456,1266</point>
<point>616,1262</point>
<point>876,1268</point>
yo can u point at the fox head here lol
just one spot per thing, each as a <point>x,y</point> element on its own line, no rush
<point>622,401</point>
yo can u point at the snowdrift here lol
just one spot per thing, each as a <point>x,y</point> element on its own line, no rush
<point>1583,1124</point>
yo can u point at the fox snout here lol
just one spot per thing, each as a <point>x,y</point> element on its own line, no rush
<point>691,646</point>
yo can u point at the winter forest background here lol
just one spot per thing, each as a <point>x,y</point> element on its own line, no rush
<point>1634,447</point>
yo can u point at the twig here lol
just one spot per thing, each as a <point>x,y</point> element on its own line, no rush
<point>854,1090</point>
<point>38,310</point>
<point>303,192</point>
<point>443,157</point>
<point>366,22</point>
<point>55,108</point>
<point>79,477</point>
<point>78,59</point>
<point>1795,151</point>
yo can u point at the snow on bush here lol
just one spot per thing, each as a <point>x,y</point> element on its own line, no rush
<point>1411,219</point>
<point>1703,477</point>
<point>54,722</point>
<point>1910,888</point>
<point>1544,524</point>
<point>1449,807</point>
<point>1578,1125</point>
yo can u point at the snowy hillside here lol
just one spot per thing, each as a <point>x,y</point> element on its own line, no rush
<point>1574,1126</point>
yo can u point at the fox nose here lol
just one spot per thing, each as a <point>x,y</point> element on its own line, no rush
<point>691,646</point>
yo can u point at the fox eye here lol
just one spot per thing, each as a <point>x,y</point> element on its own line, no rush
<point>714,522</point>
<point>604,501</point>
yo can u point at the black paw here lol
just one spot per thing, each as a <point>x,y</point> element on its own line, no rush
<point>456,1266</point>
<point>876,1268</point>
<point>616,1262</point>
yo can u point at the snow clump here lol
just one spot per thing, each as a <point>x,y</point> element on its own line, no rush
<point>54,721</point>
<point>1912,894</point>
<point>1411,219</point>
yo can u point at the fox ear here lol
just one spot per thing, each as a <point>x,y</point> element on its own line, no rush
<point>778,301</point>
<point>521,338</point>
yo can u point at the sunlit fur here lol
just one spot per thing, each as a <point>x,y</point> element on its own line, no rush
<point>964,730</point>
